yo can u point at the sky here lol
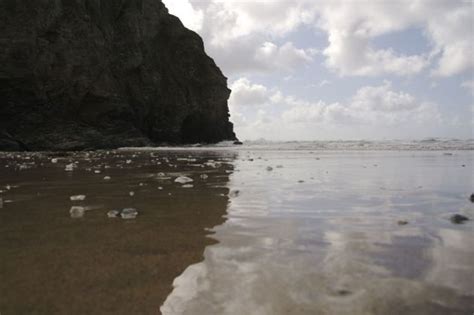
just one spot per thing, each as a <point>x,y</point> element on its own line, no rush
<point>351,69</point>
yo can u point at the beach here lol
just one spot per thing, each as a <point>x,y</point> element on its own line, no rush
<point>290,229</point>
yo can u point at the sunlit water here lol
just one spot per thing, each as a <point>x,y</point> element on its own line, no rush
<point>319,234</point>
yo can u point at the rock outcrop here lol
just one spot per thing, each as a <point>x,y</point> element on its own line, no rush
<point>93,74</point>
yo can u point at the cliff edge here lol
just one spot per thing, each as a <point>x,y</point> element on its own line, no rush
<point>96,74</point>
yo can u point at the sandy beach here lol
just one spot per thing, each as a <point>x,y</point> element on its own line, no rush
<point>266,231</point>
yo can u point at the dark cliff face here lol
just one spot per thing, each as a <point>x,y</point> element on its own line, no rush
<point>90,74</point>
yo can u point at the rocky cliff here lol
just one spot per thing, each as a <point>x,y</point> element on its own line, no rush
<point>91,74</point>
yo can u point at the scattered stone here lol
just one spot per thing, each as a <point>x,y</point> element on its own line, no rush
<point>160,188</point>
<point>187,186</point>
<point>70,167</point>
<point>132,193</point>
<point>234,193</point>
<point>471,198</point>
<point>183,180</point>
<point>77,212</point>
<point>141,184</point>
<point>78,198</point>
<point>269,168</point>
<point>301,181</point>
<point>54,161</point>
<point>97,171</point>
<point>402,222</point>
<point>279,166</point>
<point>128,161</point>
<point>129,213</point>
<point>458,218</point>
<point>238,142</point>
<point>343,292</point>
<point>107,178</point>
<point>1,202</point>
<point>204,176</point>
<point>113,213</point>
<point>447,153</point>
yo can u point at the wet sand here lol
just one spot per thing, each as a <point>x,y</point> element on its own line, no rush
<point>268,232</point>
<point>54,264</point>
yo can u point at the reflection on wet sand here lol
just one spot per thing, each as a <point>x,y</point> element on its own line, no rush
<point>321,236</point>
<point>52,263</point>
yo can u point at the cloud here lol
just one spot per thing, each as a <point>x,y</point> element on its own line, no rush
<point>244,93</point>
<point>351,29</point>
<point>370,108</point>
<point>189,16</point>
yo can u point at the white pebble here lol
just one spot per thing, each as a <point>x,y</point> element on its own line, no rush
<point>77,212</point>
<point>187,186</point>
<point>204,176</point>
<point>183,180</point>
<point>132,193</point>
<point>129,213</point>
<point>113,213</point>
<point>107,178</point>
<point>54,161</point>
<point>70,167</point>
<point>78,198</point>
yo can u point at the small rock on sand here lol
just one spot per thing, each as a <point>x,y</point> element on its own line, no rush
<point>204,176</point>
<point>70,167</point>
<point>78,198</point>
<point>471,198</point>
<point>107,178</point>
<point>113,213</point>
<point>77,212</point>
<point>187,186</point>
<point>458,218</point>
<point>132,193</point>
<point>183,180</point>
<point>129,213</point>
<point>402,222</point>
<point>1,203</point>
<point>269,168</point>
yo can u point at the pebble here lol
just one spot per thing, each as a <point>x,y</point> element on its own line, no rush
<point>132,193</point>
<point>160,188</point>
<point>70,167</point>
<point>187,186</point>
<point>183,180</point>
<point>77,212</point>
<point>113,213</point>
<point>129,213</point>
<point>269,168</point>
<point>97,171</point>
<point>204,176</point>
<point>471,198</point>
<point>54,161</point>
<point>458,218</point>
<point>402,222</point>
<point>107,178</point>
<point>1,203</point>
<point>78,198</point>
